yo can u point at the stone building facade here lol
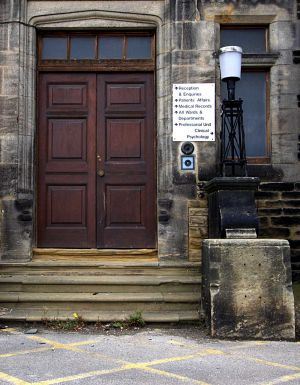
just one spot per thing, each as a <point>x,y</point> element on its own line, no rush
<point>188,35</point>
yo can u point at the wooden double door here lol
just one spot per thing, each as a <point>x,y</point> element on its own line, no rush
<point>96,161</point>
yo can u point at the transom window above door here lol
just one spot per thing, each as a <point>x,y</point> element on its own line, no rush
<point>65,49</point>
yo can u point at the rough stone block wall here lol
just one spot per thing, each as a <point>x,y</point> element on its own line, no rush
<point>278,206</point>
<point>198,228</point>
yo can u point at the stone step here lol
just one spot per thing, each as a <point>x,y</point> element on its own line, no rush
<point>80,307</point>
<point>44,253</point>
<point>33,315</point>
<point>99,297</point>
<point>143,280</point>
<point>92,288</point>
<point>91,268</point>
<point>103,290</point>
<point>92,284</point>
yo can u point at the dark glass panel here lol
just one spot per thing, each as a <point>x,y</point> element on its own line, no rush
<point>82,47</point>
<point>110,47</point>
<point>54,48</point>
<point>252,40</point>
<point>252,89</point>
<point>138,47</point>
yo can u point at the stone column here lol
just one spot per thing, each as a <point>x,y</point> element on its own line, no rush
<point>189,46</point>
<point>16,144</point>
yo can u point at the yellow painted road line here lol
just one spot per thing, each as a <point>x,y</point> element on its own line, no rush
<point>73,348</point>
<point>60,345</point>
<point>98,373</point>
<point>9,330</point>
<point>13,380</point>
<point>240,346</point>
<point>272,363</point>
<point>204,353</point>
<point>79,376</point>
<point>282,380</point>
<point>173,375</point>
<point>21,352</point>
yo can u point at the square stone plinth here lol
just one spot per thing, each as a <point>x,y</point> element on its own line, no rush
<point>247,288</point>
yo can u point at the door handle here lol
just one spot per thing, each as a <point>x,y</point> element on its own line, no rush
<point>101,173</point>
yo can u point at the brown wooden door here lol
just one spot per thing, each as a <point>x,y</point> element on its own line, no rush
<point>96,169</point>
<point>125,193</point>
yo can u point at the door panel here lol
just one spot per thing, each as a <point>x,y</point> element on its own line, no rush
<point>92,125</point>
<point>66,172</point>
<point>126,193</point>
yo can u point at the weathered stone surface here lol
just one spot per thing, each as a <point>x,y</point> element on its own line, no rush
<point>282,36</point>
<point>247,288</point>
<point>285,148</point>
<point>186,39</point>
<point>16,233</point>
<point>183,10</point>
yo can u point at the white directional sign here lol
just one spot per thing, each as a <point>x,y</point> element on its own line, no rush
<point>194,112</point>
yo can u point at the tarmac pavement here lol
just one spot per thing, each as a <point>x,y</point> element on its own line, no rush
<point>149,356</point>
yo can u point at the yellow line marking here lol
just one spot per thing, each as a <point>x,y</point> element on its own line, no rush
<point>240,346</point>
<point>73,348</point>
<point>204,353</point>
<point>13,380</point>
<point>116,370</point>
<point>271,363</point>
<point>244,345</point>
<point>62,345</point>
<point>21,352</point>
<point>282,379</point>
<point>173,375</point>
<point>10,330</point>
<point>79,376</point>
<point>44,349</point>
<point>144,366</point>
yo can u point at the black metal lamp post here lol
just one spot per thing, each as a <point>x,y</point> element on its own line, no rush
<point>233,152</point>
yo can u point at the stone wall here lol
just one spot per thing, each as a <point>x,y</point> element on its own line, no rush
<point>187,36</point>
<point>279,216</point>
<point>198,228</point>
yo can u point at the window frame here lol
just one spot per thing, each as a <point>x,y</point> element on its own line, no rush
<point>258,62</point>
<point>96,64</point>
